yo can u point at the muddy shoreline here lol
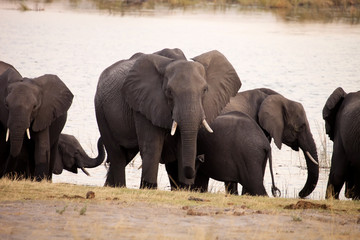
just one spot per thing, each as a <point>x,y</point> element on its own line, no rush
<point>118,219</point>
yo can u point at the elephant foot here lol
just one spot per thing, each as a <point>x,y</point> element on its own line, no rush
<point>145,184</point>
<point>113,184</point>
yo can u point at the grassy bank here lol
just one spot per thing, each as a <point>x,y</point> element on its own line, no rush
<point>28,190</point>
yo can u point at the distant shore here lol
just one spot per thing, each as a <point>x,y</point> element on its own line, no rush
<point>289,10</point>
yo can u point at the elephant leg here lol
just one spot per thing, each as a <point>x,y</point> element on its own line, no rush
<point>253,183</point>
<point>151,141</point>
<point>255,190</point>
<point>231,188</point>
<point>116,173</point>
<point>337,172</point>
<point>42,154</point>
<point>352,181</point>
<point>172,171</point>
<point>53,155</point>
<point>201,182</point>
<point>244,191</point>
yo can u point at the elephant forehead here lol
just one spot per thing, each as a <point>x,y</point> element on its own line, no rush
<point>21,90</point>
<point>297,110</point>
<point>185,70</point>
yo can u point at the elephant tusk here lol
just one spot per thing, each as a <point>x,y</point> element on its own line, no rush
<point>84,170</point>
<point>173,128</point>
<point>311,158</point>
<point>206,125</point>
<point>28,133</point>
<point>7,134</point>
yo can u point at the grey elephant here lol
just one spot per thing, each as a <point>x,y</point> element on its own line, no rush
<point>237,151</point>
<point>342,123</point>
<point>141,101</point>
<point>284,121</point>
<point>35,108</point>
<point>72,156</point>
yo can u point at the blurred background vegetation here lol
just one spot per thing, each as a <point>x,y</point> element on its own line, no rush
<point>288,10</point>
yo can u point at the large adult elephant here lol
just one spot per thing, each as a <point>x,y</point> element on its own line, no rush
<point>36,108</point>
<point>237,151</point>
<point>284,121</point>
<point>142,100</point>
<point>72,156</point>
<point>342,123</point>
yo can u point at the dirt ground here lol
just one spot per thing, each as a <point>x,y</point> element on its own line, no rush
<point>117,219</point>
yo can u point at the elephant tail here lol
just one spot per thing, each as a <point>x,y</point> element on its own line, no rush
<point>274,190</point>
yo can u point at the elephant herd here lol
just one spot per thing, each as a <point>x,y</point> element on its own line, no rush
<point>186,114</point>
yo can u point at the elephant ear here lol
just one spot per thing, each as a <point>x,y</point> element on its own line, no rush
<point>56,100</point>
<point>9,76</point>
<point>174,53</point>
<point>143,89</point>
<point>271,117</point>
<point>330,110</point>
<point>223,82</point>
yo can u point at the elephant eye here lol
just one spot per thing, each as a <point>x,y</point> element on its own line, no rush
<point>205,89</point>
<point>168,92</point>
<point>6,104</point>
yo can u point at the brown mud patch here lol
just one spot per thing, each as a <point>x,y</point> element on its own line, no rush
<point>307,205</point>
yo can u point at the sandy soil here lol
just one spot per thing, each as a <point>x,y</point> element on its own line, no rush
<point>117,219</point>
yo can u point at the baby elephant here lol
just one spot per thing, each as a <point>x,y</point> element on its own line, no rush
<point>71,155</point>
<point>237,151</point>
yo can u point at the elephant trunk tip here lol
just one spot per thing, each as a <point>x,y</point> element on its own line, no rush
<point>189,172</point>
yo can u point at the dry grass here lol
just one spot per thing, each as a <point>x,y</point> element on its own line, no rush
<point>29,190</point>
<point>120,213</point>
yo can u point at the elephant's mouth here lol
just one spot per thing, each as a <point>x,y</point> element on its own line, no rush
<point>8,134</point>
<point>204,123</point>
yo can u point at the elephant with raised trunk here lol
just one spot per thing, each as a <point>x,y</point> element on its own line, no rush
<point>141,101</point>
<point>72,156</point>
<point>342,123</point>
<point>284,121</point>
<point>33,114</point>
<point>237,151</point>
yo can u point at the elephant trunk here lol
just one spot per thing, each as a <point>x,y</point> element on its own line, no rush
<point>310,153</point>
<point>188,142</point>
<point>189,125</point>
<point>18,125</point>
<point>16,141</point>
<point>94,162</point>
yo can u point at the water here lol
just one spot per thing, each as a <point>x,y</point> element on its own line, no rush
<point>303,61</point>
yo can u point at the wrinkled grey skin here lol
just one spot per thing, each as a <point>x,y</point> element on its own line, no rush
<point>342,121</point>
<point>5,146</point>
<point>284,121</point>
<point>237,151</point>
<point>41,105</point>
<point>138,99</point>
<point>72,156</point>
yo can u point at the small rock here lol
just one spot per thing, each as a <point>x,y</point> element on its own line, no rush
<point>90,195</point>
